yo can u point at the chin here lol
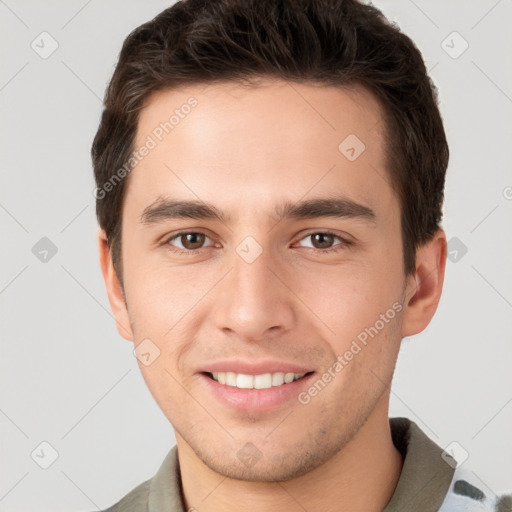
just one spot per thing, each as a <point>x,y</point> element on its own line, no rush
<point>270,464</point>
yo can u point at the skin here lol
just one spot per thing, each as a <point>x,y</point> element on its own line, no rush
<point>245,150</point>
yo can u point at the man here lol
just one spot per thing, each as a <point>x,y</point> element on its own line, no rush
<point>269,190</point>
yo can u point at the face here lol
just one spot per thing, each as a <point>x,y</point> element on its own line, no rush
<point>261,243</point>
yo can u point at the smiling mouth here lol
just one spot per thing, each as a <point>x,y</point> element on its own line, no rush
<point>262,381</point>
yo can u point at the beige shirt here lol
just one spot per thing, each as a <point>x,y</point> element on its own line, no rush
<point>424,482</point>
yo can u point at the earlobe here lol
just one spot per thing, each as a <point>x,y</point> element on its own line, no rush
<point>114,290</point>
<point>424,287</point>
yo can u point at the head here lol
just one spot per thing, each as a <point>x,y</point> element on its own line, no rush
<point>300,146</point>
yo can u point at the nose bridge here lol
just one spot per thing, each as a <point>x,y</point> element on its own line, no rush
<point>252,301</point>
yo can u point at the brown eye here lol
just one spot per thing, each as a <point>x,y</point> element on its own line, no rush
<point>325,242</point>
<point>188,241</point>
<point>192,240</point>
<point>322,240</point>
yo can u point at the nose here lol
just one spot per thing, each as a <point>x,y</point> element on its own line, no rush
<point>253,300</point>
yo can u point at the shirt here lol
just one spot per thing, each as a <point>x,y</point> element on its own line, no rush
<point>430,481</point>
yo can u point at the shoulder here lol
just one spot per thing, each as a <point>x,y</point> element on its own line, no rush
<point>468,493</point>
<point>162,492</point>
<point>433,481</point>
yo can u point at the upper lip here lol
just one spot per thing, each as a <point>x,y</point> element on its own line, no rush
<point>253,367</point>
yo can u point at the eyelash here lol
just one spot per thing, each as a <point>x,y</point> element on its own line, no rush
<point>338,247</point>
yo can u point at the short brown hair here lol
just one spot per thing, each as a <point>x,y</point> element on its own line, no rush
<point>333,42</point>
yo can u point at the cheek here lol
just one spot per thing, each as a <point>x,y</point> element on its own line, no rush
<point>352,299</point>
<point>161,297</point>
<point>167,306</point>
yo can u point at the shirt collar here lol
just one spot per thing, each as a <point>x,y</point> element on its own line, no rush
<point>425,478</point>
<point>165,489</point>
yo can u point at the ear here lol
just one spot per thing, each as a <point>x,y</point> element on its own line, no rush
<point>114,290</point>
<point>424,287</point>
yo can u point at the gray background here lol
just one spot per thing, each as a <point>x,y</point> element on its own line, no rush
<point>68,379</point>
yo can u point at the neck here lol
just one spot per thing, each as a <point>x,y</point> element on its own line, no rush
<point>361,477</point>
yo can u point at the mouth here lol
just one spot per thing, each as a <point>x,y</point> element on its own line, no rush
<point>261,381</point>
<point>255,386</point>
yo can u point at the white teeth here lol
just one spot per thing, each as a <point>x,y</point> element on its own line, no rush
<point>263,381</point>
<point>244,381</point>
<point>231,379</point>
<point>278,379</point>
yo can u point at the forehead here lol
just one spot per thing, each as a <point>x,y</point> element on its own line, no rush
<point>291,111</point>
<point>277,139</point>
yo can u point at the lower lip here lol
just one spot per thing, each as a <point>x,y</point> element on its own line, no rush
<point>256,399</point>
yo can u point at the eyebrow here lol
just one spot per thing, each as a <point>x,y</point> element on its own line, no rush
<point>167,209</point>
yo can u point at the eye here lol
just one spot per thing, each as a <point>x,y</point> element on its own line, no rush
<point>324,241</point>
<point>187,241</point>
<point>193,241</point>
